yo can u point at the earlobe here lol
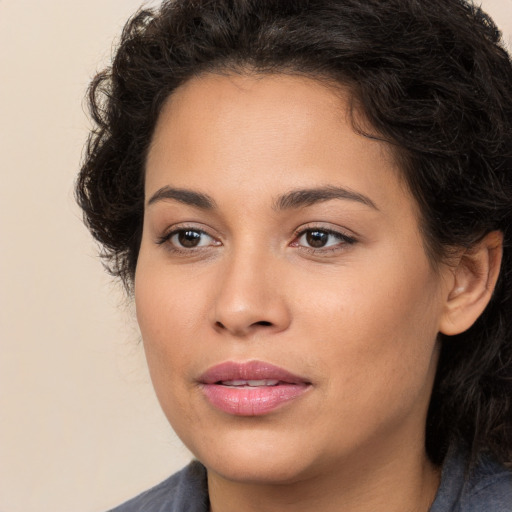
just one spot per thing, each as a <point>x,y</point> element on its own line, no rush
<point>473,281</point>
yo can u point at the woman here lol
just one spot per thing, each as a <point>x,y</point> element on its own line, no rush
<point>311,202</point>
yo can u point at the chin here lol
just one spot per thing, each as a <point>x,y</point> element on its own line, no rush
<point>253,457</point>
<point>258,470</point>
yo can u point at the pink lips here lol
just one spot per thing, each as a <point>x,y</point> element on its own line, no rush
<point>250,389</point>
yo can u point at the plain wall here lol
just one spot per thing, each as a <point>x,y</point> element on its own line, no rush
<point>80,428</point>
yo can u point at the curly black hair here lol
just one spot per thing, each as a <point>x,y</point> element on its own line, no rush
<point>431,77</point>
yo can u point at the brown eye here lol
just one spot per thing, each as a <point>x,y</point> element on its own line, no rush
<point>316,238</point>
<point>189,238</point>
<point>319,239</point>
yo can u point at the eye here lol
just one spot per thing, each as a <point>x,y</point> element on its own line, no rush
<point>188,238</point>
<point>318,239</point>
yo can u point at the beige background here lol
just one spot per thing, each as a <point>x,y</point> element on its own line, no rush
<point>80,429</point>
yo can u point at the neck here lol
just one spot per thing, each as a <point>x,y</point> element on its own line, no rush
<point>405,482</point>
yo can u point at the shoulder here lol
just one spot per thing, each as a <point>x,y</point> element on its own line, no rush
<point>486,487</point>
<point>183,491</point>
<point>489,488</point>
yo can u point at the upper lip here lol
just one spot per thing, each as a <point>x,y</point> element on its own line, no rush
<point>249,370</point>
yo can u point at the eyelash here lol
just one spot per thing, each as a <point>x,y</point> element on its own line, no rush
<point>166,240</point>
<point>342,238</point>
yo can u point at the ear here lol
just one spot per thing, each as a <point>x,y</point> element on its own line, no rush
<point>472,284</point>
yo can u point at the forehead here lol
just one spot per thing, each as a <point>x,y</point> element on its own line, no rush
<point>219,132</point>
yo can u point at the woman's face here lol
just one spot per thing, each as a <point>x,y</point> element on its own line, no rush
<point>288,310</point>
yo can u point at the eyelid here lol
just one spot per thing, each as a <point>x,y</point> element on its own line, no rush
<point>345,238</point>
<point>178,228</point>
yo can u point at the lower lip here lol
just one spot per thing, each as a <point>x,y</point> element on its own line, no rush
<point>251,401</point>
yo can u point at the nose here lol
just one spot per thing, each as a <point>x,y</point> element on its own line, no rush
<point>251,297</point>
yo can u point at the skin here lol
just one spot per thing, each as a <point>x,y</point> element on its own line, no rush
<point>358,318</point>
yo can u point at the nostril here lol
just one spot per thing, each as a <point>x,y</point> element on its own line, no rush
<point>242,330</point>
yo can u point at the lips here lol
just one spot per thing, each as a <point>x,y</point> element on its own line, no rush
<point>252,388</point>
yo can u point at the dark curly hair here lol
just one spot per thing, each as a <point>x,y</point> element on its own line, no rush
<point>432,79</point>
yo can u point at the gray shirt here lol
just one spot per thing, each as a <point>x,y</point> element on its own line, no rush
<point>488,488</point>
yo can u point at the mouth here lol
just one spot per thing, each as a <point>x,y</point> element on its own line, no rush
<point>249,383</point>
<point>251,388</point>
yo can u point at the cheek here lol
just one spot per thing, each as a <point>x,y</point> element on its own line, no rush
<point>166,309</point>
<point>382,302</point>
<point>164,318</point>
<point>167,301</point>
<point>376,330</point>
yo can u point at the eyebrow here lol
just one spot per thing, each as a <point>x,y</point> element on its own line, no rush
<point>185,196</point>
<point>309,196</point>
<point>294,199</point>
